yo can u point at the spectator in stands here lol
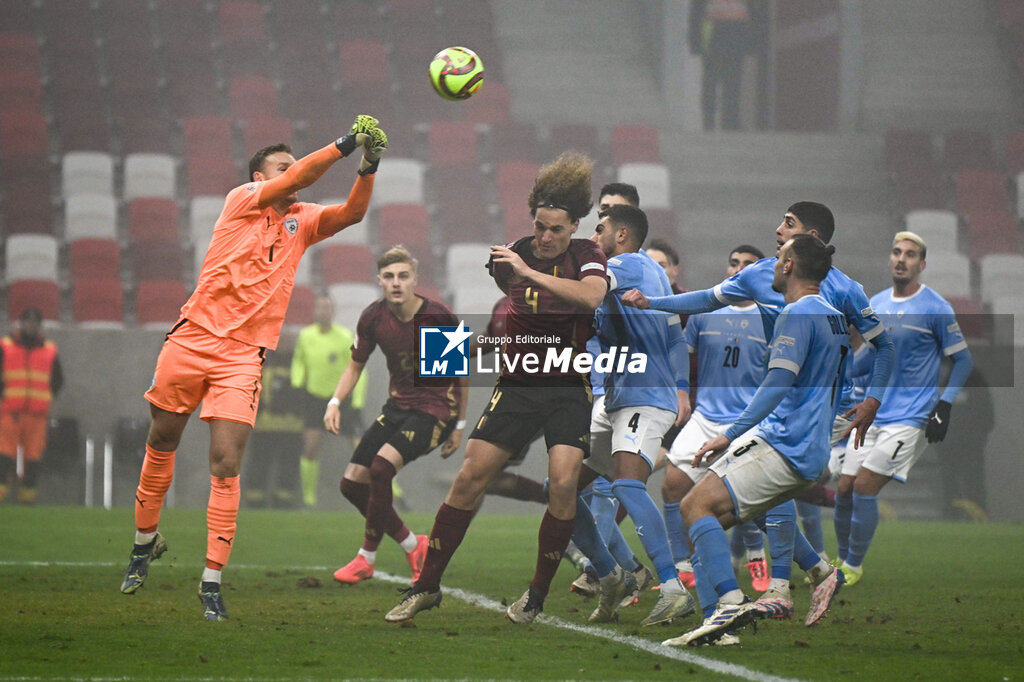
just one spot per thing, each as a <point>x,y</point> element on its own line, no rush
<point>31,377</point>
<point>322,353</point>
<point>724,32</point>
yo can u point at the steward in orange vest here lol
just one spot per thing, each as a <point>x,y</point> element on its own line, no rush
<point>30,377</point>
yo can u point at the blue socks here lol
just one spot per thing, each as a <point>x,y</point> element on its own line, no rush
<point>650,526</point>
<point>780,524</point>
<point>706,594</point>
<point>863,523</point>
<point>712,548</point>
<point>677,539</point>
<point>604,505</point>
<point>842,516</point>
<point>810,519</point>
<point>588,539</point>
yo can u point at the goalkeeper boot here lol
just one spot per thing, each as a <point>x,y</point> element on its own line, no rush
<point>613,587</point>
<point>637,581</point>
<point>138,563</point>
<point>355,571</point>
<point>413,602</point>
<point>587,584</point>
<point>526,608</point>
<point>213,603</point>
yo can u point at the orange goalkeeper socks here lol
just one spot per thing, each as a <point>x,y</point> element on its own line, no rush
<point>156,477</point>
<point>221,517</point>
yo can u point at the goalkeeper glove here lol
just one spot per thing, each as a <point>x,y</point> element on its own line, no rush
<point>358,136</point>
<point>373,150</point>
<point>938,422</point>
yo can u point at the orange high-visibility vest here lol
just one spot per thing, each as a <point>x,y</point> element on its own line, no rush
<point>27,373</point>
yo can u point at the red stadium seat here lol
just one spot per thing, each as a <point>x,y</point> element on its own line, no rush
<point>967,149</point>
<point>581,137</point>
<point>364,61</point>
<point>452,142</point>
<point>33,293</point>
<point>27,206</point>
<point>635,144</point>
<point>300,307</point>
<point>515,180</point>
<point>20,89</point>
<point>241,23</point>
<point>207,137</point>
<point>156,260</point>
<point>970,314</point>
<point>407,224</point>
<point>980,191</point>
<point>992,232</point>
<point>514,141</point>
<point>153,220</point>
<point>97,300</point>
<point>159,301</point>
<point>489,105</point>
<point>262,131</point>
<point>22,133</point>
<point>919,188</point>
<point>251,95</point>
<point>346,263</point>
<point>908,150</point>
<point>94,258</point>
<point>1015,153</point>
<point>215,176</point>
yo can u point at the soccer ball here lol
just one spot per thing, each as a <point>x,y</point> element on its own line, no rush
<point>456,73</point>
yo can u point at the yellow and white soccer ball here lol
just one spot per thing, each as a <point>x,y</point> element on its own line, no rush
<point>456,73</point>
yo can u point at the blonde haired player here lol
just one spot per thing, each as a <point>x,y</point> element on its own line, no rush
<point>215,351</point>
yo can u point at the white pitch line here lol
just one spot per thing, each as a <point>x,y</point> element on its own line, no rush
<point>486,603</point>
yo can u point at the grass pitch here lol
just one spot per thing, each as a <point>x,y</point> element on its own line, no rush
<point>938,601</point>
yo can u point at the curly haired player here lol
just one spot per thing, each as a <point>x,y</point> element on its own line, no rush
<point>554,284</point>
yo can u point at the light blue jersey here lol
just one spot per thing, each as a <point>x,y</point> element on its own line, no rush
<point>924,329</point>
<point>731,352</point>
<point>811,340</point>
<point>654,333</point>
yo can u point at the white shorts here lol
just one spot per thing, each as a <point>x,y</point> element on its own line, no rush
<point>758,477</point>
<point>889,450</point>
<point>838,454</point>
<point>630,429</point>
<point>697,431</point>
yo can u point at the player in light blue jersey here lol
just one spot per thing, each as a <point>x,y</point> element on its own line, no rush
<point>730,349</point>
<point>792,411</point>
<point>638,407</point>
<point>924,329</point>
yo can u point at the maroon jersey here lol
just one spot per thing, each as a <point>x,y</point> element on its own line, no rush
<point>399,342</point>
<point>535,319</point>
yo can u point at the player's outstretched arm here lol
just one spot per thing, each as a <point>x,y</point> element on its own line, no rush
<point>689,303</point>
<point>347,381</point>
<point>334,219</point>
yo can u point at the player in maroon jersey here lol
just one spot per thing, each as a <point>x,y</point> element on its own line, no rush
<point>554,284</point>
<point>433,411</point>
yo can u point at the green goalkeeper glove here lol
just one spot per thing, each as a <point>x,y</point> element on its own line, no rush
<point>372,151</point>
<point>359,136</point>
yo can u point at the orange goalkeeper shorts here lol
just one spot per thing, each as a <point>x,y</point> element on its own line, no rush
<point>195,366</point>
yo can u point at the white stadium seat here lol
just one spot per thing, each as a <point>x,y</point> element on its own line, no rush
<point>31,256</point>
<point>149,175</point>
<point>949,274</point>
<point>937,228</point>
<point>349,301</point>
<point>399,181</point>
<point>465,264</point>
<point>652,182</point>
<point>1001,274</point>
<point>87,172</point>
<point>90,216</point>
<point>353,234</point>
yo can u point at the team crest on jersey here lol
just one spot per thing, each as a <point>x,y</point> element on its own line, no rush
<point>292,225</point>
<point>867,312</point>
<point>250,188</point>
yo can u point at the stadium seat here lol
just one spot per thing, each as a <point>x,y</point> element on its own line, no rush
<point>407,224</point>
<point>1007,305</point>
<point>979,191</point>
<point>1014,153</point>
<point>18,16</point>
<point>22,133</point>
<point>967,149</point>
<point>949,274</point>
<point>243,34</point>
<point>300,307</point>
<point>515,141</point>
<point>92,258</point>
<point>475,300</point>
<point>919,188</point>
<point>212,176</point>
<point>43,294</point>
<point>158,302</point>
<point>90,216</point>
<point>31,256</point>
<point>1000,274</point>
<point>249,95</point>
<point>635,144</point>
<point>489,105</point>
<point>263,131</point>
<point>938,228</point>
<point>399,181</point>
<point>149,175</point>
<point>992,232</point>
<point>582,137</point>
<point>909,150</point>
<point>156,260</point>
<point>357,20</point>
<point>21,89</point>
<point>346,263</point>
<point>349,301</point>
<point>202,216</point>
<point>98,302</point>
<point>153,220</point>
<point>363,61</point>
<point>465,265</point>
<point>663,221</point>
<point>207,137</point>
<point>27,206</point>
<point>515,180</point>
<point>152,135</point>
<point>452,142</point>
<point>652,182</point>
<point>87,172</point>
<point>970,314</point>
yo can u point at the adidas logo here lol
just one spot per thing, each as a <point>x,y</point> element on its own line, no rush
<point>435,543</point>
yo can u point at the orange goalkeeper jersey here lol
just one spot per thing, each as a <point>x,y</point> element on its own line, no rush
<point>249,271</point>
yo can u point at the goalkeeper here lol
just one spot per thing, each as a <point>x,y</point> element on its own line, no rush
<point>214,353</point>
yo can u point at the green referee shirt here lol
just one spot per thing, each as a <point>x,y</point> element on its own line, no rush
<point>320,359</point>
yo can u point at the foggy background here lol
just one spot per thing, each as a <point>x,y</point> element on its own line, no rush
<point>123,123</point>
